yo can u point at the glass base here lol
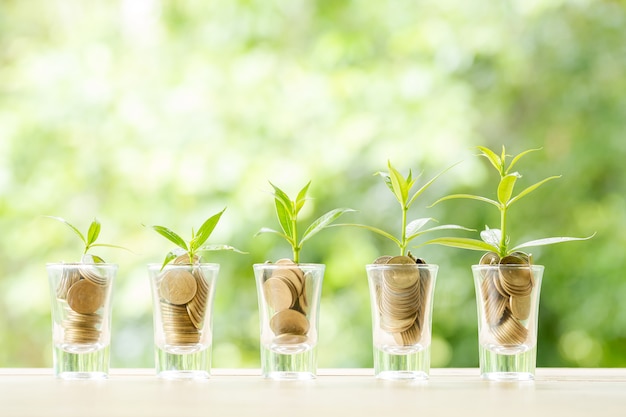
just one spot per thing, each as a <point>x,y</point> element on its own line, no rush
<point>496,366</point>
<point>410,364</point>
<point>81,362</point>
<point>301,365</point>
<point>193,364</point>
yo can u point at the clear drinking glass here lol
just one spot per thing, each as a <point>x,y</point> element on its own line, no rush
<point>508,306</point>
<point>289,298</point>
<point>80,297</point>
<point>401,299</point>
<point>182,299</point>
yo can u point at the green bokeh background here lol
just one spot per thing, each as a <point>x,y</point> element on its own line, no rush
<point>164,112</point>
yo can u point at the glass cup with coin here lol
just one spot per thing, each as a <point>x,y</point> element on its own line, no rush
<point>508,305</point>
<point>182,298</point>
<point>81,318</point>
<point>289,298</point>
<point>401,296</point>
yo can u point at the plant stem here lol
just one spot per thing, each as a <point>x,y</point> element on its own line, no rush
<point>503,231</point>
<point>296,246</point>
<point>403,242</point>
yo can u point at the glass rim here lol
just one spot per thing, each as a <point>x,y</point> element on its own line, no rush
<point>391,266</point>
<point>277,266</point>
<point>507,266</point>
<point>211,265</point>
<point>79,264</point>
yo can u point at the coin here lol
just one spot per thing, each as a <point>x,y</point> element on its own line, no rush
<point>178,327</point>
<point>510,331</point>
<point>520,307</point>
<point>185,260</point>
<point>289,321</point>
<point>178,286</point>
<point>279,293</point>
<point>69,277</point>
<point>89,273</point>
<point>196,307</point>
<point>382,260</point>
<point>85,297</point>
<point>81,328</point>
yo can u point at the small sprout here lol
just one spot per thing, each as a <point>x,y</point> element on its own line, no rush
<point>90,241</point>
<point>287,211</point>
<point>196,245</point>
<point>497,240</point>
<point>401,189</point>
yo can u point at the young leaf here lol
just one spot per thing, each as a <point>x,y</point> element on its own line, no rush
<point>549,241</point>
<point>62,220</point>
<point>275,232</point>
<point>416,225</point>
<point>301,198</point>
<point>463,243</point>
<point>505,188</point>
<point>518,157</point>
<point>93,233</point>
<point>284,210</point>
<point>399,185</point>
<point>467,196</point>
<point>171,236</point>
<point>532,188</point>
<point>322,222</point>
<point>491,236</point>
<point>492,157</point>
<point>205,231</point>
<point>168,258</point>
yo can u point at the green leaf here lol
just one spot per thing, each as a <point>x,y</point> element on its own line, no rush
<point>265,230</point>
<point>428,184</point>
<point>491,236</point>
<point>62,220</point>
<point>518,157</point>
<point>171,236</point>
<point>549,241</point>
<point>399,184</point>
<point>205,231</point>
<point>301,199</point>
<point>168,258</point>
<point>371,229</point>
<point>434,229</point>
<point>467,196</point>
<point>492,157</point>
<point>416,225</point>
<point>284,210</point>
<point>322,222</point>
<point>213,248</point>
<point>387,180</point>
<point>463,243</point>
<point>531,189</point>
<point>505,188</point>
<point>94,232</point>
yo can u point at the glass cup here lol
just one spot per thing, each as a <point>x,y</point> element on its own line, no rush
<point>289,298</point>
<point>182,299</point>
<point>401,298</point>
<point>81,318</point>
<point>508,306</point>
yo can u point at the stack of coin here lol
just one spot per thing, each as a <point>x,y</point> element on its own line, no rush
<point>184,294</point>
<point>285,293</point>
<point>506,296</point>
<point>401,299</point>
<point>84,291</point>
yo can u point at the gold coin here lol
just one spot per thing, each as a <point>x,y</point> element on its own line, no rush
<point>520,307</point>
<point>279,293</point>
<point>185,260</point>
<point>400,260</point>
<point>382,260</point>
<point>178,286</point>
<point>291,276</point>
<point>90,274</point>
<point>196,307</point>
<point>85,297</point>
<point>69,277</point>
<point>289,321</point>
<point>490,258</point>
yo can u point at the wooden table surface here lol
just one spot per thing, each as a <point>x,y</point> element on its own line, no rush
<point>335,392</point>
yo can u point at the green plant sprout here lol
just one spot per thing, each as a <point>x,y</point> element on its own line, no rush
<point>196,245</point>
<point>401,189</point>
<point>497,240</point>
<point>287,211</point>
<point>89,240</point>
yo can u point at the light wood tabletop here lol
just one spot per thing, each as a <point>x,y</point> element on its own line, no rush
<point>336,392</point>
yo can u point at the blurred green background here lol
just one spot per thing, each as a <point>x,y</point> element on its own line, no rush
<point>164,112</point>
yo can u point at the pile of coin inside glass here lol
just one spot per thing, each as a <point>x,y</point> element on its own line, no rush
<point>506,296</point>
<point>401,298</point>
<point>285,293</point>
<point>84,292</point>
<point>183,296</point>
